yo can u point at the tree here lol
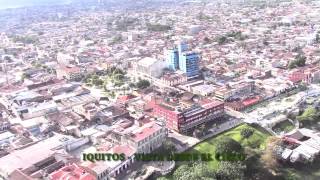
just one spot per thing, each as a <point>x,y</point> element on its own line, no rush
<point>113,94</point>
<point>302,86</point>
<point>206,40</point>
<point>181,171</point>
<point>269,156</point>
<point>301,60</point>
<point>194,171</point>
<point>228,145</point>
<point>222,40</point>
<point>142,84</point>
<point>246,132</point>
<point>202,171</point>
<point>169,147</point>
<point>309,114</point>
<point>231,170</point>
<point>158,27</point>
<point>116,39</point>
<point>97,81</point>
<point>132,85</point>
<point>162,178</point>
<point>292,65</point>
<point>24,76</point>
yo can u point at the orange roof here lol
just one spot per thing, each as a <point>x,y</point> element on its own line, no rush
<point>125,98</point>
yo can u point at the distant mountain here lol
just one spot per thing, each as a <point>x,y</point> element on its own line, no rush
<point>5,4</point>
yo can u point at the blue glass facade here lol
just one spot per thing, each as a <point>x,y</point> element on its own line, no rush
<point>172,59</point>
<point>189,63</point>
<point>182,47</point>
<point>180,58</point>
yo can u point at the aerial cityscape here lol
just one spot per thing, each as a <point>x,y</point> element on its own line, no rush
<point>160,90</point>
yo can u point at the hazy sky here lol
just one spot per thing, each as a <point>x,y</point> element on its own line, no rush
<point>21,3</point>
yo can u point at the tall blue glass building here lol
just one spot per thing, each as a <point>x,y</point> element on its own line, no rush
<point>181,58</point>
<point>172,58</point>
<point>189,63</point>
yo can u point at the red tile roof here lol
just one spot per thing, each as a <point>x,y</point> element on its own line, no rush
<point>71,172</point>
<point>145,131</point>
<point>251,101</point>
<point>126,149</point>
<point>206,103</point>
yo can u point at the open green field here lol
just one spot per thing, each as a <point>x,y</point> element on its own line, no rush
<point>256,141</point>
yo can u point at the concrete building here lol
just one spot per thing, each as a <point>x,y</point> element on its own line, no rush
<point>173,79</point>
<point>234,90</point>
<point>189,63</point>
<point>172,58</point>
<point>149,68</point>
<point>88,110</point>
<point>204,90</point>
<point>185,120</point>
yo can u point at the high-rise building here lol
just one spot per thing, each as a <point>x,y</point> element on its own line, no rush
<point>182,47</point>
<point>172,58</point>
<point>189,63</point>
<point>182,59</point>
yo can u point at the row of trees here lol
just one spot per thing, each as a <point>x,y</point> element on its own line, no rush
<point>231,36</point>
<point>116,39</point>
<point>25,39</point>
<point>193,171</point>
<point>158,27</point>
<point>257,165</point>
<point>227,170</point>
<point>141,84</point>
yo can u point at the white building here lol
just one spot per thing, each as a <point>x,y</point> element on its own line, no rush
<point>6,137</point>
<point>146,138</point>
<point>204,90</point>
<point>149,68</point>
<point>64,58</point>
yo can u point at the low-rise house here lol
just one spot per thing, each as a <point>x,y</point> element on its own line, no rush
<point>173,79</point>
<point>88,110</point>
<point>301,145</point>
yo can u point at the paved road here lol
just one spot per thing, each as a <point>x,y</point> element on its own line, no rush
<point>314,90</point>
